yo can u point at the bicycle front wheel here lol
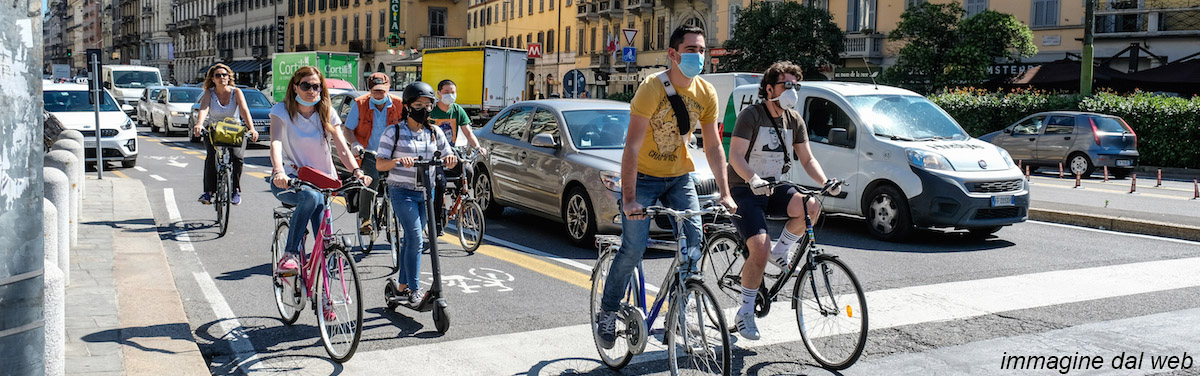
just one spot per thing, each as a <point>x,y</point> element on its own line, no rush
<point>470,226</point>
<point>287,289</point>
<point>223,199</point>
<point>831,311</point>
<point>339,305</point>
<point>697,338</point>
<point>621,352</point>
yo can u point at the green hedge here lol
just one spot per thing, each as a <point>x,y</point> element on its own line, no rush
<point>1168,128</point>
<point>624,96</point>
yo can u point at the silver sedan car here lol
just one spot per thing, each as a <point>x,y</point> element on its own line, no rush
<point>1081,141</point>
<point>561,159</point>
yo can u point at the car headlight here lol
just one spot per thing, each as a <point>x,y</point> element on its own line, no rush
<point>177,113</point>
<point>127,125</point>
<point>928,160</point>
<point>1007,158</point>
<point>611,180</point>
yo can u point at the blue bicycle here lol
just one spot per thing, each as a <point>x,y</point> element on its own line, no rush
<point>694,331</point>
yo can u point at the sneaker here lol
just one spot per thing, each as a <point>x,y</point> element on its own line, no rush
<point>782,261</point>
<point>746,326</point>
<point>365,228</point>
<point>328,311</point>
<point>415,297</point>
<point>606,329</point>
<point>287,267</point>
<point>206,198</point>
<point>237,197</point>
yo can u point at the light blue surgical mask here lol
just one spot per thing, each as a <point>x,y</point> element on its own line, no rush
<point>307,103</point>
<point>691,64</point>
<point>379,102</point>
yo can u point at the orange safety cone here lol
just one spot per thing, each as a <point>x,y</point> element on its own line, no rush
<point>1027,178</point>
<point>1133,183</point>
<point>1105,174</point>
<point>1158,183</point>
<point>1060,175</point>
<point>1076,180</point>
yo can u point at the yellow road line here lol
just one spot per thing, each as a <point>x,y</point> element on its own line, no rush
<point>120,174</point>
<point>193,152</point>
<point>259,175</point>
<point>176,148</point>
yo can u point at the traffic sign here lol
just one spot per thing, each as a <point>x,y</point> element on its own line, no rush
<point>629,54</point>
<point>574,83</point>
<point>534,50</point>
<point>629,35</point>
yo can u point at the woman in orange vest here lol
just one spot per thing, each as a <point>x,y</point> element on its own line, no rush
<point>370,115</point>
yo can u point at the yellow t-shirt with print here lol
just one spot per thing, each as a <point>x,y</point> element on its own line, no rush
<point>664,151</point>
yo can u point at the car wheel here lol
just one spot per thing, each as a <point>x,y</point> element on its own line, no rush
<point>888,217</point>
<point>129,163</point>
<point>484,192</point>
<point>1080,164</point>
<point>980,233</point>
<point>578,217</point>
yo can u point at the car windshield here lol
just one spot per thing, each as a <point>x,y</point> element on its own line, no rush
<point>1108,124</point>
<point>184,96</point>
<point>256,99</point>
<point>135,79</point>
<point>598,129</point>
<point>906,117</point>
<point>75,101</point>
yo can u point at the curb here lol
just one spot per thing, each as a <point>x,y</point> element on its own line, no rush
<point>1119,224</point>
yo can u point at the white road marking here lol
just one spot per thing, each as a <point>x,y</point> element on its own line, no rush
<point>139,168</point>
<point>181,235</point>
<point>1110,232</point>
<point>159,178</point>
<point>495,355</point>
<point>232,330</point>
<point>175,163</point>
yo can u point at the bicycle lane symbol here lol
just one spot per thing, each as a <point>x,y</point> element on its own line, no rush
<point>478,279</point>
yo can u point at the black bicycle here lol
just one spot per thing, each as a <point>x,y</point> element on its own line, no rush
<point>223,197</point>
<point>831,309</point>
<point>383,219</point>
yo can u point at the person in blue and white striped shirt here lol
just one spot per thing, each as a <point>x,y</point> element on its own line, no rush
<point>402,144</point>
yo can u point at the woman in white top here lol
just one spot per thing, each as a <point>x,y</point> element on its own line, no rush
<point>221,99</point>
<point>302,126</point>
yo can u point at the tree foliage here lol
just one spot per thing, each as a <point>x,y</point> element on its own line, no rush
<point>769,32</point>
<point>942,48</point>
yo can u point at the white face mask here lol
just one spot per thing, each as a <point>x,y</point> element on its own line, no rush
<point>788,99</point>
<point>449,98</point>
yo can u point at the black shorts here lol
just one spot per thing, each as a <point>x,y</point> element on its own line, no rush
<point>752,209</point>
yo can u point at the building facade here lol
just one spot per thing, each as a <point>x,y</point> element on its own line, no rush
<point>54,33</point>
<point>541,27</point>
<point>194,33</point>
<point>155,42</point>
<point>127,31</point>
<point>247,37</point>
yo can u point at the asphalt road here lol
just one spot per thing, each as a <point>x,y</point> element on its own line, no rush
<point>940,304</point>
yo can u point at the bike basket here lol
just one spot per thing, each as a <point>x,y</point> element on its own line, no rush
<point>319,179</point>
<point>228,132</point>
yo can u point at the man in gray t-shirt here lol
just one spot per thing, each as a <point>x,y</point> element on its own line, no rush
<point>758,154</point>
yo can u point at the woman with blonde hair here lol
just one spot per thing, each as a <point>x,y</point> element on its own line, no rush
<point>222,99</point>
<point>302,127</point>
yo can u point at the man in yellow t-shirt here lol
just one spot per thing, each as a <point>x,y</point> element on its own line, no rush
<point>656,166</point>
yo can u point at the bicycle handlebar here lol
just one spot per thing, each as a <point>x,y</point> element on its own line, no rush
<point>805,190</point>
<point>717,210</point>
<point>294,184</point>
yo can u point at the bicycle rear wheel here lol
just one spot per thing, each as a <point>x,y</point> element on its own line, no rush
<point>831,311</point>
<point>470,226</point>
<point>341,322</point>
<point>697,338</point>
<point>621,352</point>
<point>223,200</point>
<point>287,289</point>
<point>724,255</point>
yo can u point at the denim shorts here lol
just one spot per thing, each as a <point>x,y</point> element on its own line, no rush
<point>753,209</point>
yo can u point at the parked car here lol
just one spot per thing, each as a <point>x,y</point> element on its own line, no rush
<point>561,159</point>
<point>906,163</point>
<point>145,102</point>
<point>1081,141</point>
<point>72,105</point>
<point>170,110</point>
<point>260,111</point>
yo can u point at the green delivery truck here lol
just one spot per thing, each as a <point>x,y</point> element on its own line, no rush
<point>339,65</point>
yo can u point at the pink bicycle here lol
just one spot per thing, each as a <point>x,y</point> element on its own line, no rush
<point>329,278</point>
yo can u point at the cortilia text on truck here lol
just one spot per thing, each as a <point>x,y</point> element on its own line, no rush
<point>339,65</point>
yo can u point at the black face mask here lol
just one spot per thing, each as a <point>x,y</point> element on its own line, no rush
<point>421,116</point>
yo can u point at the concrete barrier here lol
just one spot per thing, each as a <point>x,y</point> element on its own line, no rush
<point>65,161</point>
<point>57,190</point>
<point>71,134</point>
<point>54,308</point>
<point>1119,224</point>
<point>76,174</point>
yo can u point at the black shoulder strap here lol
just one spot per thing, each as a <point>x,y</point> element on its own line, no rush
<point>778,131</point>
<point>677,106</point>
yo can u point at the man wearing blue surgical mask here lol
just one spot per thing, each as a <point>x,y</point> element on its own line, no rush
<point>368,118</point>
<point>656,165</point>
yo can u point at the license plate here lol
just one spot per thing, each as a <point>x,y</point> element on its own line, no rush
<point>89,144</point>
<point>1124,162</point>
<point>1002,201</point>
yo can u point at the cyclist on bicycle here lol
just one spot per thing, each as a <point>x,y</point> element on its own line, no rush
<point>656,165</point>
<point>758,155</point>
<point>369,117</point>
<point>450,117</point>
<point>226,100</point>
<point>400,147</point>
<point>302,127</point>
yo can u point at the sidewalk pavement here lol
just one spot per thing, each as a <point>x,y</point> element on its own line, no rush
<point>1168,211</point>
<point>124,314</point>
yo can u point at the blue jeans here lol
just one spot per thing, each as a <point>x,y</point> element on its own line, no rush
<point>310,205</point>
<point>677,193</point>
<point>409,206</point>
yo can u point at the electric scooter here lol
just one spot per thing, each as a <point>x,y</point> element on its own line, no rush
<point>433,300</point>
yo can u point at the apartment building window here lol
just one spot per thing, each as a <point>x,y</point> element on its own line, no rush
<point>382,24</point>
<point>592,43</point>
<point>819,4</point>
<point>567,40</point>
<point>321,5</point>
<point>976,6</point>
<point>580,50</point>
<point>301,40</point>
<point>345,26</point>
<point>300,7</point>
<point>312,6</point>
<point>661,43</point>
<point>333,30</point>
<point>541,6</point>
<point>733,18</point>
<point>860,14</point>
<point>912,3</point>
<point>530,6</point>
<point>504,11</point>
<point>437,22</point>
<point>333,4</point>
<point>369,26</point>
<point>292,34</point>
<point>356,27</point>
<point>470,17</point>
<point>552,4</point>
<point>550,41</point>
<point>488,17</point>
<point>312,32</point>
<point>1045,13</point>
<point>322,32</point>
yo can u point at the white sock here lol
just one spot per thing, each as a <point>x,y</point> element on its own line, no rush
<point>786,240</point>
<point>748,296</point>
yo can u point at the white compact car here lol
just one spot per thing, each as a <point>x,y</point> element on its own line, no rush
<point>70,103</point>
<point>905,162</point>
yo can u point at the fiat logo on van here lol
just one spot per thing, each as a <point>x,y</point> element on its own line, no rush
<point>982,164</point>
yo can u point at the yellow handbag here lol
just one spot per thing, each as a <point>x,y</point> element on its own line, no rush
<point>228,132</point>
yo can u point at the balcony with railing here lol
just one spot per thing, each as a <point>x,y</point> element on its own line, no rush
<point>588,10</point>
<point>863,46</point>
<point>438,42</point>
<point>1147,18</point>
<point>601,60</point>
<point>208,21</point>
<point>612,8</point>
<point>187,24</point>
<point>172,30</point>
<point>259,52</point>
<point>226,55</point>
<point>638,6</point>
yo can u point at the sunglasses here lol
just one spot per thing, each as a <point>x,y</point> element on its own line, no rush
<point>420,105</point>
<point>221,75</point>
<point>789,85</point>
<point>304,86</point>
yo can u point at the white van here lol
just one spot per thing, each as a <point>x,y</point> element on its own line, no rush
<point>127,82</point>
<point>905,162</point>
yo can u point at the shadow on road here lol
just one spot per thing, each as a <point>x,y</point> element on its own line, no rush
<point>401,319</point>
<point>129,336</point>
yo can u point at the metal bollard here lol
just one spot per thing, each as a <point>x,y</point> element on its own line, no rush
<point>1027,178</point>
<point>1196,190</point>
<point>65,161</point>
<point>54,306</point>
<point>1060,170</point>
<point>74,135</point>
<point>57,191</point>
<point>1105,174</point>
<point>1158,182</point>
<point>1076,180</point>
<point>1133,183</point>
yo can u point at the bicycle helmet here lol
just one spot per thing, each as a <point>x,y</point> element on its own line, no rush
<point>418,89</point>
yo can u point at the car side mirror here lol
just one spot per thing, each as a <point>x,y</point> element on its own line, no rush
<point>839,137</point>
<point>108,85</point>
<point>544,140</point>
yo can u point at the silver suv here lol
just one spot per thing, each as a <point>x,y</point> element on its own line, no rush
<point>1081,141</point>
